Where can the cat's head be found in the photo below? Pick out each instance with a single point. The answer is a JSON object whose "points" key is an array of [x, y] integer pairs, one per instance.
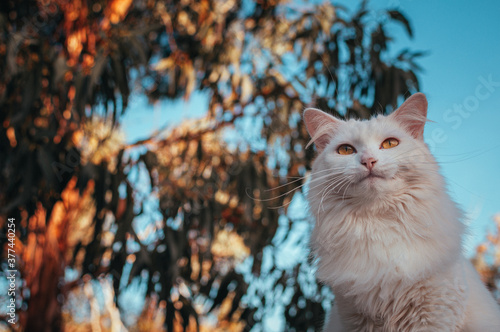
{"points": [[385, 154]]}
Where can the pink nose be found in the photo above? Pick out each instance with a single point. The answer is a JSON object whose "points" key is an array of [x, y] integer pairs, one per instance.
{"points": [[368, 162]]}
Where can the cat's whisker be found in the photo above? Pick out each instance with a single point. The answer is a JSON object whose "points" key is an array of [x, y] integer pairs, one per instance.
{"points": [[462, 159], [405, 154], [322, 177], [327, 190], [486, 198], [347, 184], [331, 188], [348, 178], [336, 181], [319, 185], [286, 184], [280, 206], [272, 198], [343, 196], [290, 201], [298, 178], [468, 155]]}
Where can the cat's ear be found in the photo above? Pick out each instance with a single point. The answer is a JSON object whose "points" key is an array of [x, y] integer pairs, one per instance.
{"points": [[413, 115], [320, 126]]}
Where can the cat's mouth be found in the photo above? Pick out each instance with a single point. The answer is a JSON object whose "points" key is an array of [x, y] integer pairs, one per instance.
{"points": [[372, 176]]}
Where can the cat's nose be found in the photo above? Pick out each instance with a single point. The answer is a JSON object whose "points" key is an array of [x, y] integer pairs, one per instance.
{"points": [[368, 162]]}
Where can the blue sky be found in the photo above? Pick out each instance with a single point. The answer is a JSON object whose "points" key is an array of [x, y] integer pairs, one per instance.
{"points": [[461, 79]]}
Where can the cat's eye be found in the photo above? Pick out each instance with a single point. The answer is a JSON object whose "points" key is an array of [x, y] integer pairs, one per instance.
{"points": [[345, 149], [389, 143]]}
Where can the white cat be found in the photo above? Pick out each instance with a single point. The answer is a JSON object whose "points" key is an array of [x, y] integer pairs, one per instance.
{"points": [[387, 235]]}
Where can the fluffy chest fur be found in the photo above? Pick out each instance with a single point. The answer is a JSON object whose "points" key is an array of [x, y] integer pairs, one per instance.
{"points": [[386, 277], [431, 304], [393, 266]]}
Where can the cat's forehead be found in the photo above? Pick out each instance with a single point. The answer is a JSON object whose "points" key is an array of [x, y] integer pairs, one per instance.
{"points": [[374, 128]]}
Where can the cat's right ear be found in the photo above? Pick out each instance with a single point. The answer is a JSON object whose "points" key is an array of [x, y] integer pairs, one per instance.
{"points": [[320, 126]]}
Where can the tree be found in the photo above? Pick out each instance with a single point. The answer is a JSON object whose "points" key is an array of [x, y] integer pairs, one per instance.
{"points": [[487, 260], [67, 72]]}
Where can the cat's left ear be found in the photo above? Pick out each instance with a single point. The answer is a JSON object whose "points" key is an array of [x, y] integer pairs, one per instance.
{"points": [[320, 126], [413, 115]]}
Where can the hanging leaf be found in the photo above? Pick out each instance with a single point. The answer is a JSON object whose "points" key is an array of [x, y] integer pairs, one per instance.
{"points": [[398, 16]]}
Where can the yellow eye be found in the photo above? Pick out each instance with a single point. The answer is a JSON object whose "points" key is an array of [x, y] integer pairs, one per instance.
{"points": [[389, 143], [345, 149]]}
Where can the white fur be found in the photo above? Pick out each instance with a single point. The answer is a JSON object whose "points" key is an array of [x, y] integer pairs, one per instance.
{"points": [[389, 246]]}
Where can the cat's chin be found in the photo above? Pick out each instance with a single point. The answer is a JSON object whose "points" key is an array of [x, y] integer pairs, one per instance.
{"points": [[373, 181]]}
